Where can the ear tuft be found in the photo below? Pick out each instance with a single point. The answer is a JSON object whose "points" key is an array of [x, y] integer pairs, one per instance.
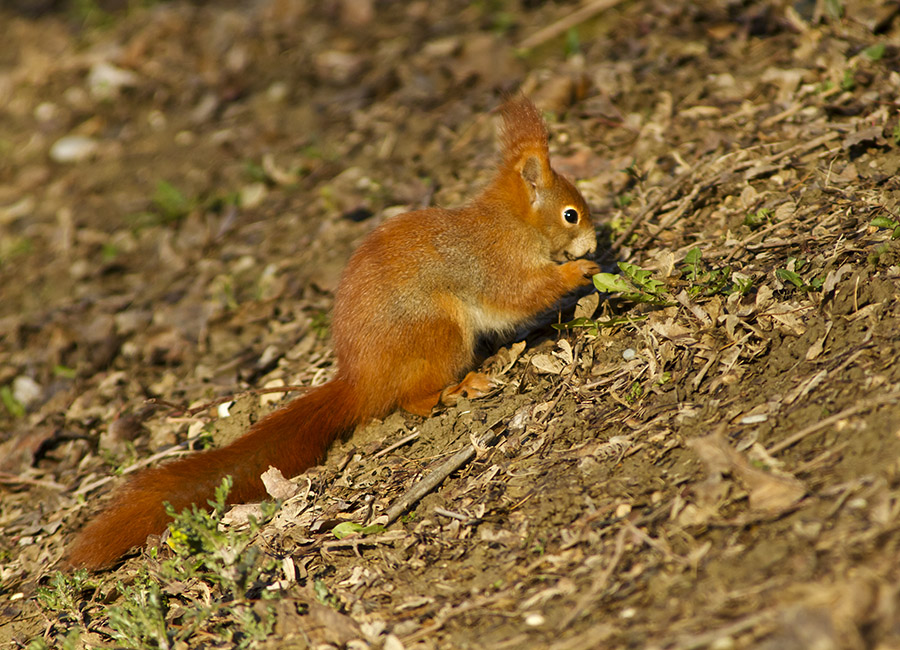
{"points": [[522, 132]]}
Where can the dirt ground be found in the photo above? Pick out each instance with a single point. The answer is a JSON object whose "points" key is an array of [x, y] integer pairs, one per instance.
{"points": [[181, 183]]}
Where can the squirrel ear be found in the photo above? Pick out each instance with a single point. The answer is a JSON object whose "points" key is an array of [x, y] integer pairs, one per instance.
{"points": [[532, 172]]}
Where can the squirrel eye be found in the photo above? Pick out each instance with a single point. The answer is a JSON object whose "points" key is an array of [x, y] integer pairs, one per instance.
{"points": [[570, 215]]}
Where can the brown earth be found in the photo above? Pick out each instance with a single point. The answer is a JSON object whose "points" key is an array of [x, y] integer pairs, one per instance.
{"points": [[718, 471]]}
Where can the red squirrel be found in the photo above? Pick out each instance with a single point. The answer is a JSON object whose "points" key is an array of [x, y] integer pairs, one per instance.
{"points": [[410, 304]]}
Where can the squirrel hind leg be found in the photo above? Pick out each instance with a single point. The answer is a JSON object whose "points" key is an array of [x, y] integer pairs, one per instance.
{"points": [[421, 405], [434, 355]]}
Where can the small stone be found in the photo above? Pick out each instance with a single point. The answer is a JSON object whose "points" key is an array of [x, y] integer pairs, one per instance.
{"points": [[77, 98], [335, 66], [157, 120], [185, 138], [441, 48], [46, 111], [26, 390], [277, 92], [392, 642], [73, 148], [723, 643], [205, 109], [105, 80], [253, 194]]}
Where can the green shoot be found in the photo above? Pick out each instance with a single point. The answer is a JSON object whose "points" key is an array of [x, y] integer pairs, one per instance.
{"points": [[692, 262], [170, 203], [623, 200], [349, 528], [635, 284], [848, 82], [638, 285], [874, 52], [885, 222], [634, 393], [756, 219], [64, 372], [324, 596], [835, 8], [109, 252], [13, 406], [786, 275], [713, 281], [320, 323], [791, 274], [573, 42], [140, 621], [63, 593]]}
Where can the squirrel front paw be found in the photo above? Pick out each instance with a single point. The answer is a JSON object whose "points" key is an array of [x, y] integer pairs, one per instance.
{"points": [[580, 272]]}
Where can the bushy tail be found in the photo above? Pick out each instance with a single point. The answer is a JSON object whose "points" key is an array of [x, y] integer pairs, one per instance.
{"points": [[291, 439]]}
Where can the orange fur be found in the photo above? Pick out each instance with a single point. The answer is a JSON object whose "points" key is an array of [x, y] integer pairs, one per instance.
{"points": [[138, 511], [411, 302]]}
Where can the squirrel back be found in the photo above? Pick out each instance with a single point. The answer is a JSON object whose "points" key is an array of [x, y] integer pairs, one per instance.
{"points": [[410, 304]]}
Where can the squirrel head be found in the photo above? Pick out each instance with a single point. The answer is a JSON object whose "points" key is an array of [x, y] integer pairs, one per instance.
{"points": [[554, 206]]}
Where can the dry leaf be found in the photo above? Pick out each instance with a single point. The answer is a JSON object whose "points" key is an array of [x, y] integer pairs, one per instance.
{"points": [[786, 319], [864, 312], [510, 355], [805, 387], [587, 305], [771, 493], [833, 277], [731, 324], [869, 134], [662, 261], [548, 364], [818, 346], [694, 308], [318, 625], [565, 352], [241, 514], [768, 492], [764, 297], [674, 332], [277, 486]]}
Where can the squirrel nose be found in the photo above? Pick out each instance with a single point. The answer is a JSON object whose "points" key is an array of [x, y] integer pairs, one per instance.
{"points": [[584, 244]]}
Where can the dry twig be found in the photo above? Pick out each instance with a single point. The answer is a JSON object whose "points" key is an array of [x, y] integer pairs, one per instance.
{"points": [[435, 478], [566, 23], [837, 417]]}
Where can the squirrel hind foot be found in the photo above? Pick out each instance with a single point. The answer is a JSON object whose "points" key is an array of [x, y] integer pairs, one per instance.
{"points": [[473, 385]]}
